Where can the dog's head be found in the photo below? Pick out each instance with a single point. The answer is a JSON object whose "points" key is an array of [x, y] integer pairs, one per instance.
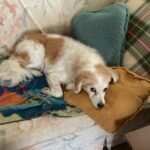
{"points": [[12, 73], [96, 84]]}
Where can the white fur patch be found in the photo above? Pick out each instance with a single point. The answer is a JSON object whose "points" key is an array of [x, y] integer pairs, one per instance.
{"points": [[10, 70], [53, 36], [74, 59], [36, 52]]}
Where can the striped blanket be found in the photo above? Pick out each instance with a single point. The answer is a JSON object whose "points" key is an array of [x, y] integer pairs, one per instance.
{"points": [[137, 55]]}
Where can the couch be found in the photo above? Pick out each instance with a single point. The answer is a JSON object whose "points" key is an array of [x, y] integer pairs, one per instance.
{"points": [[81, 132]]}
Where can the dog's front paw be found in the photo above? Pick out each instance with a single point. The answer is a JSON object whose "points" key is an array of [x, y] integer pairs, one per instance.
{"points": [[46, 91], [52, 92], [57, 93]]}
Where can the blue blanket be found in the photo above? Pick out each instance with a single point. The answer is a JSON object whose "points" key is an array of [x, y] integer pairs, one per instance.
{"points": [[33, 102]]}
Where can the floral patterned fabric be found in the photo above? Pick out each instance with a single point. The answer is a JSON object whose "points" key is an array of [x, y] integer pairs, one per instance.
{"points": [[53, 133], [18, 16], [14, 20]]}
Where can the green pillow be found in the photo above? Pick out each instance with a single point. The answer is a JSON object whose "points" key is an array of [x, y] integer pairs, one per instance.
{"points": [[104, 30]]}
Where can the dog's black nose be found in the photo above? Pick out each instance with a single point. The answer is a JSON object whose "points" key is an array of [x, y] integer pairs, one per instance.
{"points": [[100, 105]]}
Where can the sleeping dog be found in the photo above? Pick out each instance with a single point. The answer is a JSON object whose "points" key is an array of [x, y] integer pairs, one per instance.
{"points": [[63, 61]]}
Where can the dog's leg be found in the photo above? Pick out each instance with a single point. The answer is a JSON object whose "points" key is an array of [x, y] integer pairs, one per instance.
{"points": [[54, 86], [36, 73]]}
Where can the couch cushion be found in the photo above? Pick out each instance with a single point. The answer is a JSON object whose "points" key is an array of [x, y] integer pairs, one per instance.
{"points": [[104, 30], [123, 100]]}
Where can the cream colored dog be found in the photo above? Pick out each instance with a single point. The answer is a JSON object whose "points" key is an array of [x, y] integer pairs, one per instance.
{"points": [[63, 61]]}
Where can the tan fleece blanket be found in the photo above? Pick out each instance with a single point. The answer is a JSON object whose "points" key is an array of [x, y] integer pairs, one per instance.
{"points": [[123, 100]]}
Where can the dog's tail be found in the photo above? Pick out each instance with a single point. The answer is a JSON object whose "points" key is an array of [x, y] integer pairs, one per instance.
{"points": [[4, 52]]}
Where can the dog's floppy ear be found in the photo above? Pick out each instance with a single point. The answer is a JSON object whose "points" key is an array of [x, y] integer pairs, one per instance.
{"points": [[78, 84], [107, 71], [83, 79]]}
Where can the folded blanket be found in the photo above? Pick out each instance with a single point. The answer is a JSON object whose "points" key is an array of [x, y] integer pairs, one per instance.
{"points": [[104, 30], [26, 101], [29, 101]]}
